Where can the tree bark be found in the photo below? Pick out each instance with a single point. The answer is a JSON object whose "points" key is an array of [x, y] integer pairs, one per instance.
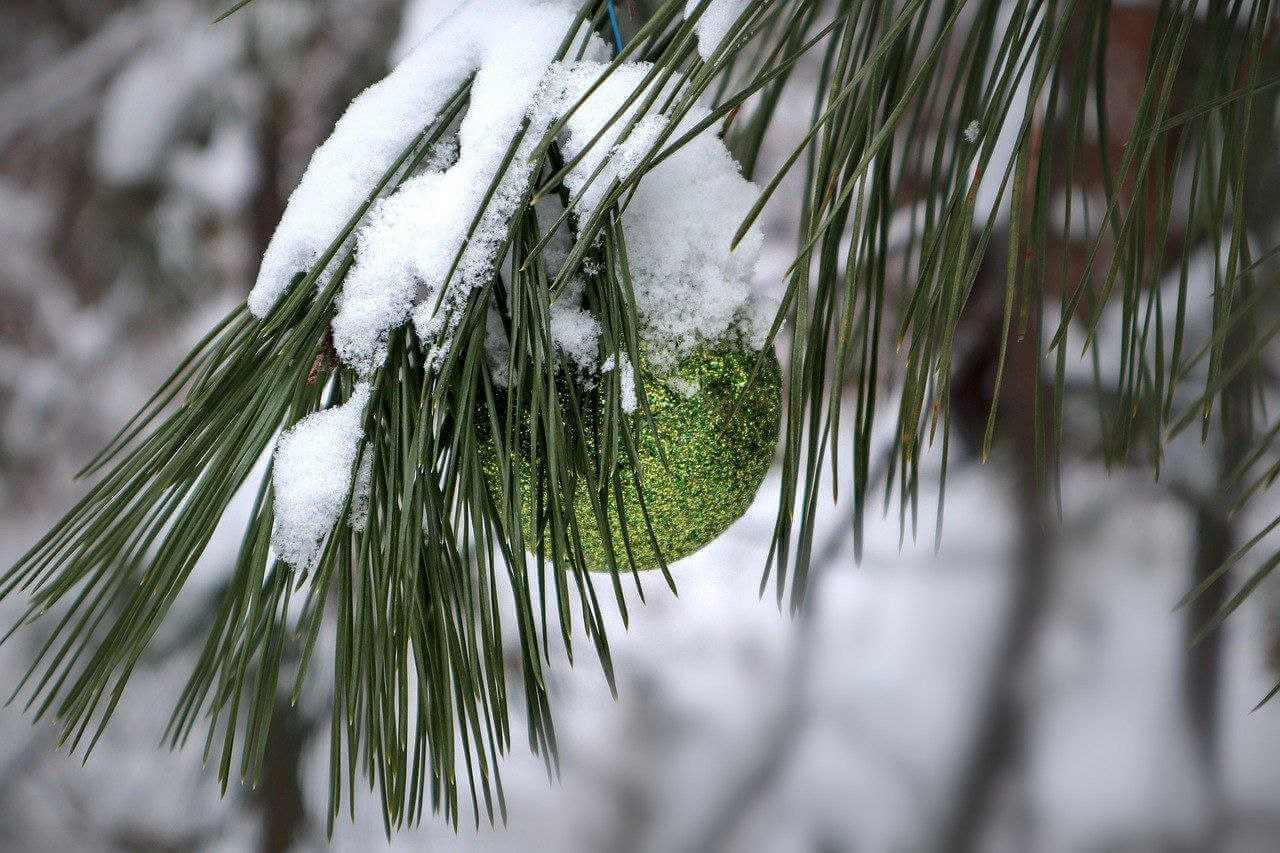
{"points": [[284, 814], [1000, 722], [1202, 667]]}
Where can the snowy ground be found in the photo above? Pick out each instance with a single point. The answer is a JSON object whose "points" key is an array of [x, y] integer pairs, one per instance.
{"points": [[899, 648]]}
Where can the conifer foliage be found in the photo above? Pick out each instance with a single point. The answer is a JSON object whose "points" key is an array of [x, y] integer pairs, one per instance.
{"points": [[550, 203]]}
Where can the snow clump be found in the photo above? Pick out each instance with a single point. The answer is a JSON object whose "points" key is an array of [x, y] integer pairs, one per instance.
{"points": [[311, 478], [422, 249]]}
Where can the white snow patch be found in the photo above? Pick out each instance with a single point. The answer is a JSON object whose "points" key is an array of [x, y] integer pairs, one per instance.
{"points": [[628, 385], [626, 377], [690, 284], [312, 476], [418, 21], [502, 41], [415, 247], [613, 157], [716, 22], [381, 288], [575, 329], [418, 256]]}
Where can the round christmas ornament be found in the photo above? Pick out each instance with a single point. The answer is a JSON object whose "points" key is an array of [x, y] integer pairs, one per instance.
{"points": [[717, 426]]}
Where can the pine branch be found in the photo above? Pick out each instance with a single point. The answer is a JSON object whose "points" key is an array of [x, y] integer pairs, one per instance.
{"points": [[969, 126]]}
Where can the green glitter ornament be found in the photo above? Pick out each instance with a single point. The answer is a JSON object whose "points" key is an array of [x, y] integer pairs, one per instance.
{"points": [[718, 431]]}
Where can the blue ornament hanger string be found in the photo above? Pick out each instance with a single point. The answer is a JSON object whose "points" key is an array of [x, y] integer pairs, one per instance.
{"points": [[613, 25]]}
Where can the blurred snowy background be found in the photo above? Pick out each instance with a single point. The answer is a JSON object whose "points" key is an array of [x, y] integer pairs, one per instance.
{"points": [[1026, 687]]}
